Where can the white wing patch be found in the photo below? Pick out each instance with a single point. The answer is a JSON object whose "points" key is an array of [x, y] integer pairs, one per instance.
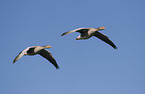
{"points": [[73, 31], [21, 54]]}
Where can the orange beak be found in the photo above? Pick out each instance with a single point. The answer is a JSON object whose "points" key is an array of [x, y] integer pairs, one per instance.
{"points": [[104, 28], [49, 46]]}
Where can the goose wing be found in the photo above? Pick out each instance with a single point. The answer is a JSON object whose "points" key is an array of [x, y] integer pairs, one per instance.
{"points": [[46, 54], [80, 30], [20, 54], [105, 39]]}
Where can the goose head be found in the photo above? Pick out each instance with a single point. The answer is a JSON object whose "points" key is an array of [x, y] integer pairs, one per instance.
{"points": [[101, 28], [47, 46]]}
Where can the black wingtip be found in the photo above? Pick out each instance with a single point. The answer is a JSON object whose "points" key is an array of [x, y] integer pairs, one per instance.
{"points": [[14, 62], [115, 48], [57, 67], [63, 34]]}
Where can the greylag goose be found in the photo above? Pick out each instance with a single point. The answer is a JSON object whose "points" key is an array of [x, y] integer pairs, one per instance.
{"points": [[86, 33], [38, 50]]}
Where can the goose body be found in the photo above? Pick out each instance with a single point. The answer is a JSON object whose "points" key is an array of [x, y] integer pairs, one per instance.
{"points": [[87, 33], [30, 51]]}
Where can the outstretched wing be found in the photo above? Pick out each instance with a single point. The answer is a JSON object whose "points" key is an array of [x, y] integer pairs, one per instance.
{"points": [[20, 54], [46, 54], [105, 39], [81, 30]]}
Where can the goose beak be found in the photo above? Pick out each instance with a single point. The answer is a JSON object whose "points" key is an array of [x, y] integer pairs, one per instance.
{"points": [[104, 28], [49, 46]]}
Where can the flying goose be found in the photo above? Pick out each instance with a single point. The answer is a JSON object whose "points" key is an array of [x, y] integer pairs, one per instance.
{"points": [[38, 50], [86, 33]]}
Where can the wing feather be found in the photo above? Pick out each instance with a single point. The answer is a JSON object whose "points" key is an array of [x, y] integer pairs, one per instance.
{"points": [[46, 54], [105, 39], [76, 30], [20, 54]]}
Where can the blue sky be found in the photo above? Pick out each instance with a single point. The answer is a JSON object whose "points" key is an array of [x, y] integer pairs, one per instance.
{"points": [[86, 66]]}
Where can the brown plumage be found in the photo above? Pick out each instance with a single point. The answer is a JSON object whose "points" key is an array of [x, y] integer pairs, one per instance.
{"points": [[87, 33], [38, 50]]}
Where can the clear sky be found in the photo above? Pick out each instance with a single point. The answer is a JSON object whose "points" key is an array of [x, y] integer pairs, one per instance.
{"points": [[86, 66]]}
